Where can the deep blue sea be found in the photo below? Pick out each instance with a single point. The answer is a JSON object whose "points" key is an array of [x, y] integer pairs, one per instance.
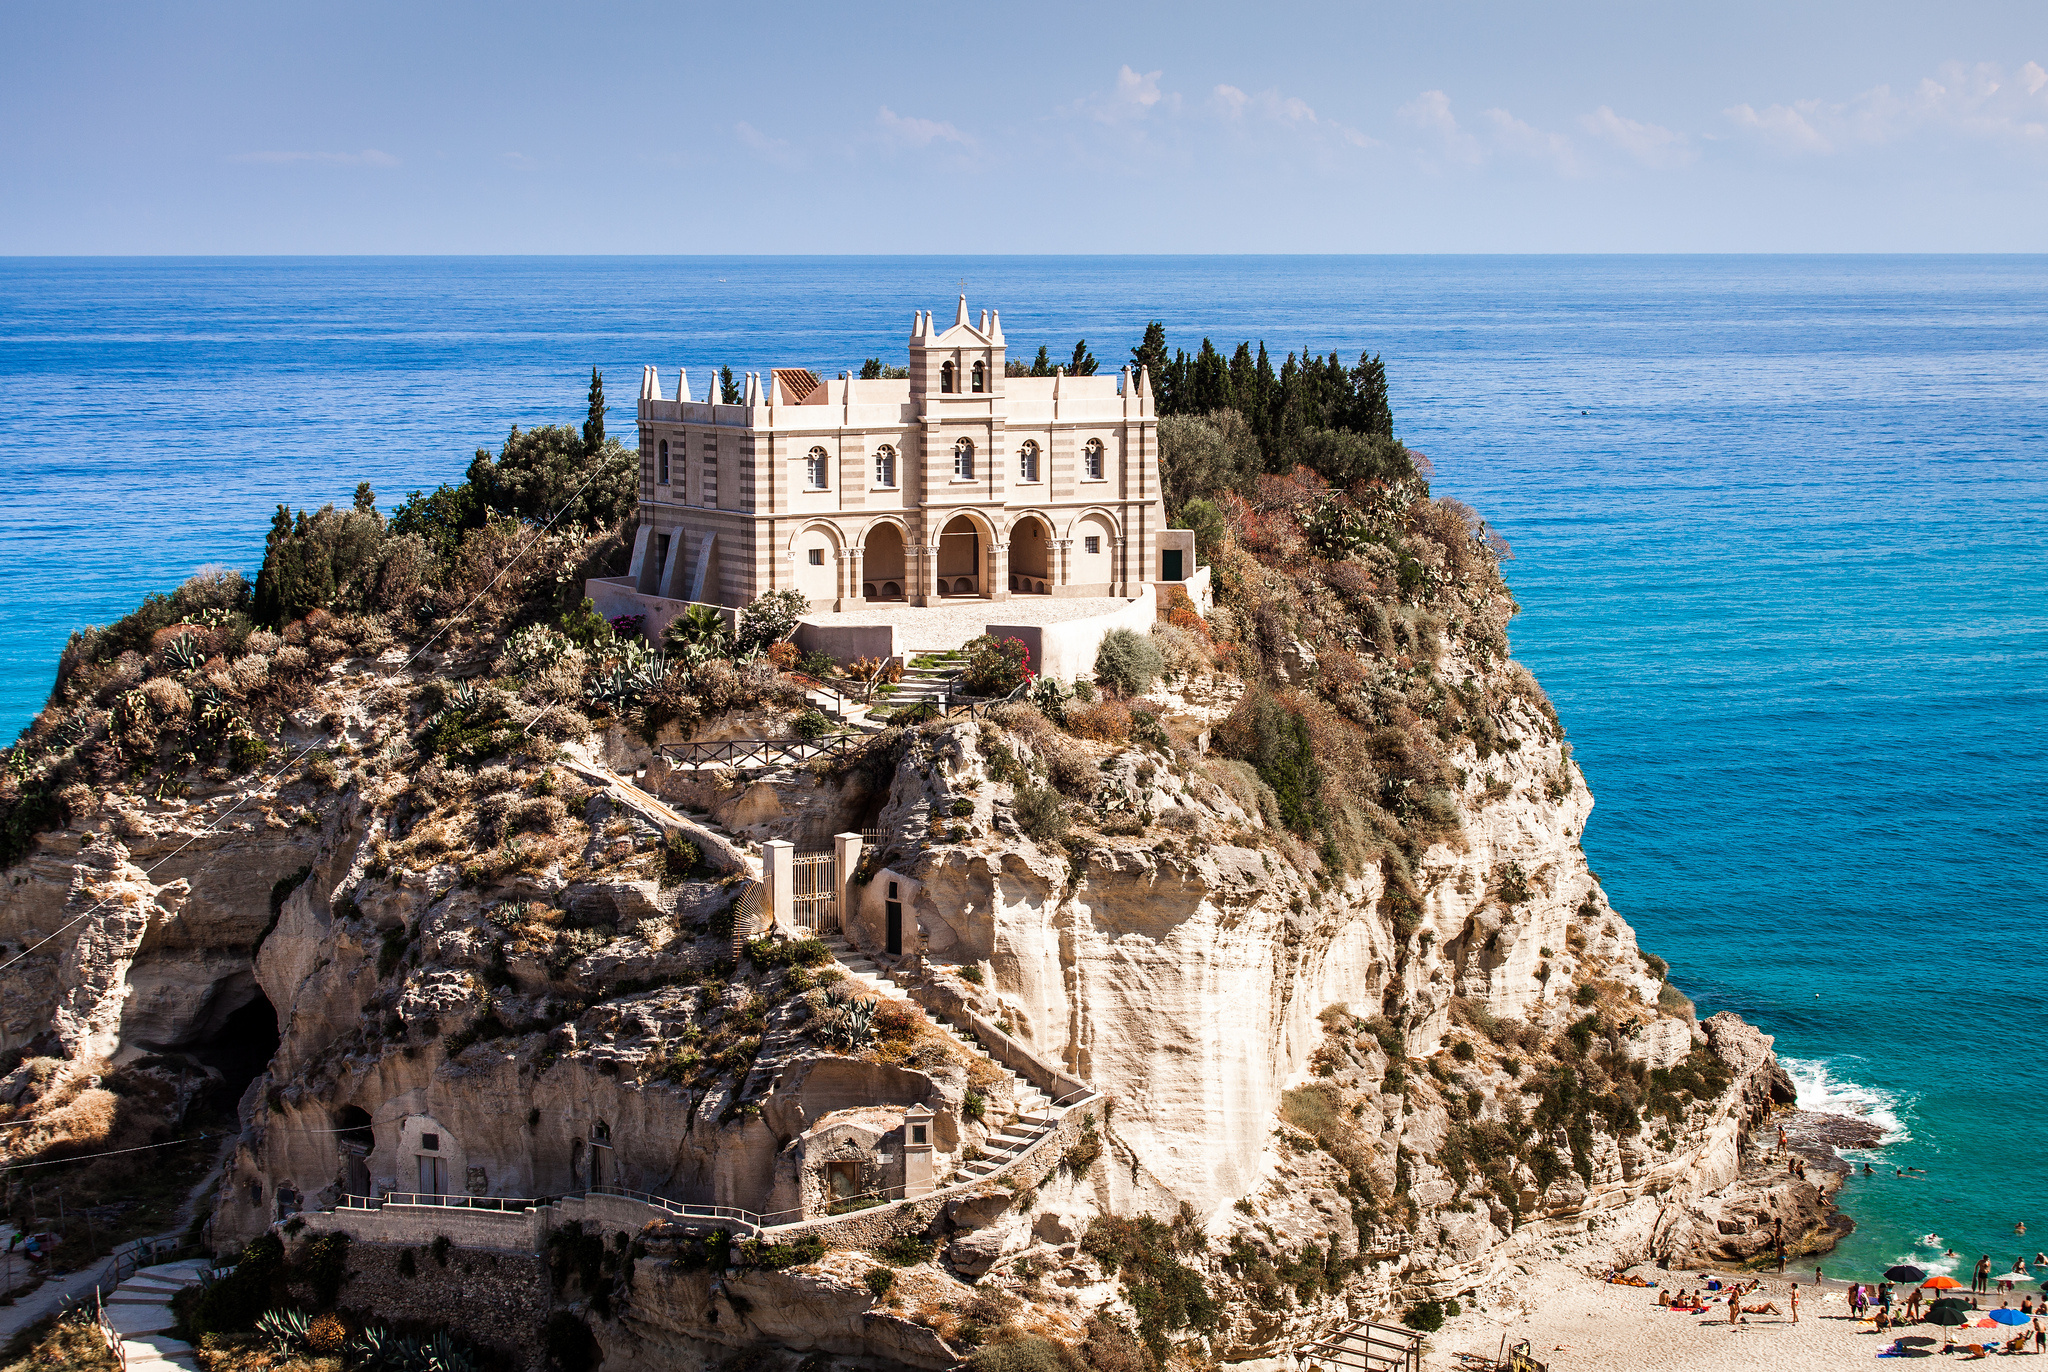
{"points": [[1778, 531]]}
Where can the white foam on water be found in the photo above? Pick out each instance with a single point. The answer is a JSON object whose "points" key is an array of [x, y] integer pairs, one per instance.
{"points": [[1820, 1089]]}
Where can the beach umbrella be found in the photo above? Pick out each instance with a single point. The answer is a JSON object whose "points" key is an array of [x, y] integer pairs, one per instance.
{"points": [[2004, 1316], [1942, 1284], [1904, 1273], [1946, 1314]]}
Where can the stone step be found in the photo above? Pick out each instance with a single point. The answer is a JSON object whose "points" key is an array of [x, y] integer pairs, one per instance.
{"points": [[155, 1346], [144, 1362], [188, 1270], [140, 1319], [161, 1284]]}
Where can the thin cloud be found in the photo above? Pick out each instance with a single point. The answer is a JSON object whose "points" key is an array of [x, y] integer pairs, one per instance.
{"points": [[1650, 144], [1134, 97], [368, 157], [776, 150], [1497, 136], [1977, 103], [1284, 111], [918, 133]]}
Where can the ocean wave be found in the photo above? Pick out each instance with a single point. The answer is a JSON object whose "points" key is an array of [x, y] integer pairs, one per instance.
{"points": [[1820, 1089]]}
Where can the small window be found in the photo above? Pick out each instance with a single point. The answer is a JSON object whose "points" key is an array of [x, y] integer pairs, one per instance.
{"points": [[963, 461], [1027, 463], [892, 890], [817, 557], [430, 1143], [946, 379], [885, 466], [917, 1133], [816, 468], [1091, 460], [663, 476], [980, 378], [1093, 543]]}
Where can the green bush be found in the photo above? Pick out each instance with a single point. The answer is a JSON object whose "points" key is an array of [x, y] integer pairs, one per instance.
{"points": [[1128, 662], [1028, 1354], [233, 1304], [769, 620], [1428, 1316], [810, 725], [880, 1280], [1276, 742], [680, 859], [904, 1250], [1040, 813], [995, 667]]}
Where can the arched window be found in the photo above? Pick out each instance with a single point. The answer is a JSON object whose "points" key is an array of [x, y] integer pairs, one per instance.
{"points": [[1091, 460], [663, 476], [980, 378], [963, 461], [1027, 462], [817, 467], [885, 466], [946, 378]]}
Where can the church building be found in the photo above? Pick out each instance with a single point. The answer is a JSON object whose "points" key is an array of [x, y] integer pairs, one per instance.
{"points": [[955, 482]]}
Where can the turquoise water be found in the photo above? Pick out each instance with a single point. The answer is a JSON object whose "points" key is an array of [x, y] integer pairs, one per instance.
{"points": [[1777, 521]]}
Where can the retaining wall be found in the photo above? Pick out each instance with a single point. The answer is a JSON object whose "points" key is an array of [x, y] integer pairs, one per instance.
{"points": [[495, 1299], [845, 642], [1066, 650], [503, 1231]]}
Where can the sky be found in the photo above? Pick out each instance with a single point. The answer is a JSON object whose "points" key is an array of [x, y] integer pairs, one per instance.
{"points": [[1454, 126]]}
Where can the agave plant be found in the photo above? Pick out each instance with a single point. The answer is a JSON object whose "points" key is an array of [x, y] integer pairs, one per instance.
{"points": [[855, 1026], [464, 698], [289, 1331], [184, 654]]}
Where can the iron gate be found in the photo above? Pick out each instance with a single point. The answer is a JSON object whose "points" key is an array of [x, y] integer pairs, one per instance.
{"points": [[814, 893]]}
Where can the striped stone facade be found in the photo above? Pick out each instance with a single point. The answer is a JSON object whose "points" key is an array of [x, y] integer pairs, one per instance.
{"points": [[955, 482]]}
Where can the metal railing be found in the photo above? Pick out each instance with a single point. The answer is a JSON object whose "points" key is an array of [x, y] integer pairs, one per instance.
{"points": [[975, 707], [814, 892], [759, 752], [510, 1204], [725, 1213], [1363, 1346]]}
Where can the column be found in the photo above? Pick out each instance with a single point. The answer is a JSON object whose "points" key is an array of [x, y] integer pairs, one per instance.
{"points": [[778, 872], [845, 859], [1062, 551], [1119, 584], [856, 589], [998, 570]]}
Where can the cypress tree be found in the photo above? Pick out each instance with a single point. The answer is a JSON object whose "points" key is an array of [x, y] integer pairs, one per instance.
{"points": [[1265, 399], [1084, 361], [1151, 355], [1368, 411], [1041, 365], [871, 370], [728, 392], [1210, 384], [593, 424], [366, 499]]}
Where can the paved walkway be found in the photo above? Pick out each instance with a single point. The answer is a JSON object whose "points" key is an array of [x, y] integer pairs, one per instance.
{"points": [[55, 1294], [950, 623]]}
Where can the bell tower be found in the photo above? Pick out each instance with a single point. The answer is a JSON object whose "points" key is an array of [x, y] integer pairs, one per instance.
{"points": [[965, 363]]}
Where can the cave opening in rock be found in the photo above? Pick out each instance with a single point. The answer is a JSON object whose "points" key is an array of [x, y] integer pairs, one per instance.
{"points": [[355, 1142], [242, 1047]]}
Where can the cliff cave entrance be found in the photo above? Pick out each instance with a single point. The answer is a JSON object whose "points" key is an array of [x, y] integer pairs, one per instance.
{"points": [[356, 1142], [242, 1047]]}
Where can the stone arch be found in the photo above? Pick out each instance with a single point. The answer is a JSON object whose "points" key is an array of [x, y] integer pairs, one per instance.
{"points": [[814, 551], [1031, 559], [884, 567], [960, 563], [1093, 572], [947, 384]]}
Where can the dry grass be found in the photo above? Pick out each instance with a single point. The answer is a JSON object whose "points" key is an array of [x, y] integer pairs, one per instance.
{"points": [[70, 1344]]}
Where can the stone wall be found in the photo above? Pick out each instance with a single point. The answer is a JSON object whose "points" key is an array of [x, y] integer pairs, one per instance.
{"points": [[503, 1231], [497, 1300]]}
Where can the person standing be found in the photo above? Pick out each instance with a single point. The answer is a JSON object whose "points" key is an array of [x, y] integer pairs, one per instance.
{"points": [[1980, 1280], [1795, 1302], [1913, 1306], [1734, 1303]]}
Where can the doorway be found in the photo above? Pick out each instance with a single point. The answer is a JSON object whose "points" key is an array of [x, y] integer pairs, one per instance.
{"points": [[892, 914]]}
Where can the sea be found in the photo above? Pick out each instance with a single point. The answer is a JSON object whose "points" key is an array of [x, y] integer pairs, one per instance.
{"points": [[1777, 526]]}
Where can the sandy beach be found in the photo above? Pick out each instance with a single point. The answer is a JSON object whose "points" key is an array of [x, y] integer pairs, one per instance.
{"points": [[1577, 1323]]}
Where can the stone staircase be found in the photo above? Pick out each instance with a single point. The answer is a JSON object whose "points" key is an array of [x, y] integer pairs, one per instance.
{"points": [[1034, 1108], [931, 681], [140, 1312]]}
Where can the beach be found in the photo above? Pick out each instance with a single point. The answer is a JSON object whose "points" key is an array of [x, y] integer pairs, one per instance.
{"points": [[1577, 1323]]}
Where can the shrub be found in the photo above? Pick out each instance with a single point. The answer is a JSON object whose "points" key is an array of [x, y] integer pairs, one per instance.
{"points": [[1028, 1354], [1428, 1316], [996, 667], [1041, 814], [1128, 662], [1106, 721], [810, 725], [1165, 1293], [1658, 967], [904, 1250], [770, 619], [971, 972], [233, 1303], [879, 1281], [1276, 742]]}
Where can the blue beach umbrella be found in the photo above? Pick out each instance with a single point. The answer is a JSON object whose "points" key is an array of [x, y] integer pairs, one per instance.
{"points": [[2008, 1316]]}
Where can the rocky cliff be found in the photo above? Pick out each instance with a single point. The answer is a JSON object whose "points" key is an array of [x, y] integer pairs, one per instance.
{"points": [[1298, 893]]}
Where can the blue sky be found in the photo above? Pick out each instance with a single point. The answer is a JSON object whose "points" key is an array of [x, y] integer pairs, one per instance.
{"points": [[1463, 126]]}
